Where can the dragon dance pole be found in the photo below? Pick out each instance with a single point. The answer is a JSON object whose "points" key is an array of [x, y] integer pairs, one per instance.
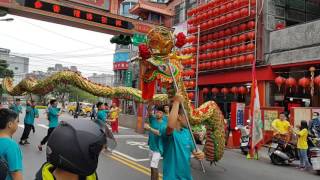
{"points": [[187, 117]]}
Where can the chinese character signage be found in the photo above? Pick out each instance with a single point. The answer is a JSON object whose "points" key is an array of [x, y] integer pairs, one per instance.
{"points": [[128, 80], [240, 114], [76, 13]]}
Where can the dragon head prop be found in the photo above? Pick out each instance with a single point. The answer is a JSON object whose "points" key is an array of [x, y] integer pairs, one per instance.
{"points": [[158, 59]]}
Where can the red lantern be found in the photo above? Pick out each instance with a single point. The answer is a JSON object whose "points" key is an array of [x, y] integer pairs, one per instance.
{"points": [[192, 84], [317, 80], [242, 38], [241, 59], [193, 50], [253, 13], [205, 38], [251, 25], [214, 54], [229, 6], [229, 17], [253, 2], [234, 40], [236, 15], [234, 90], [250, 47], [279, 81], [250, 58], [215, 91], [223, 9], [216, 21], [242, 90], [227, 52], [213, 64], [214, 45], [222, 19], [215, 11], [192, 61], [220, 44], [242, 48], [210, 24], [227, 62], [304, 82], [205, 90], [244, 12], [221, 34], [190, 95], [242, 27], [291, 82], [208, 65], [235, 29], [225, 91], [251, 35], [221, 53], [221, 63], [235, 50], [235, 4], [235, 60], [227, 42], [227, 32]]}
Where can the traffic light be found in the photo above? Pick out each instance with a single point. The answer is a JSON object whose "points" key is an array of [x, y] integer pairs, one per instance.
{"points": [[121, 39]]}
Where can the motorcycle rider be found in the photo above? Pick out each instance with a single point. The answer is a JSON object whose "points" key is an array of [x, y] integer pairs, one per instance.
{"points": [[78, 160], [282, 130], [314, 126]]}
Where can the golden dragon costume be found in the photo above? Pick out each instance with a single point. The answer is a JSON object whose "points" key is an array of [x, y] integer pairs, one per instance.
{"points": [[156, 67]]}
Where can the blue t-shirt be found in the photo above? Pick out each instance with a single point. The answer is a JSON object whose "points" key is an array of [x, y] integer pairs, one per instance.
{"points": [[11, 153], [155, 142], [102, 115], [30, 115], [16, 108], [53, 117], [178, 148]]}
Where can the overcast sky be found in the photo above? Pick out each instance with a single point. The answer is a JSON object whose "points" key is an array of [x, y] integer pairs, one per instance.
{"points": [[47, 44]]}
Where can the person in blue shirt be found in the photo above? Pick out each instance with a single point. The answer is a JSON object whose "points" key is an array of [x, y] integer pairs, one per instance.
{"points": [[178, 145], [28, 122], [155, 141], [166, 112], [53, 114], [16, 107], [314, 125], [10, 151], [102, 115]]}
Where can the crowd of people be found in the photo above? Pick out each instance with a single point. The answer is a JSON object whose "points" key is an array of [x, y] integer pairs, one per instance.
{"points": [[62, 163]]}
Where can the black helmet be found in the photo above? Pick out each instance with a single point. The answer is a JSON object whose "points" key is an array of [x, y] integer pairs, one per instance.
{"points": [[75, 145]]}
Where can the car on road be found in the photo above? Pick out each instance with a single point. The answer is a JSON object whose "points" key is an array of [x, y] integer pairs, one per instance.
{"points": [[85, 110]]}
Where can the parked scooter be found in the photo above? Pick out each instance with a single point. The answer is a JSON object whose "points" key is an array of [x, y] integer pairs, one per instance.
{"points": [[282, 152], [314, 153], [245, 137]]}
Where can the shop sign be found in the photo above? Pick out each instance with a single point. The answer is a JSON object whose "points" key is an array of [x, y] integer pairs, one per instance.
{"points": [[240, 114], [128, 80]]}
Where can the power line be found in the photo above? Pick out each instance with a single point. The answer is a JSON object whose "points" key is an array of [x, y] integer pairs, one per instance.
{"points": [[37, 64], [64, 36]]}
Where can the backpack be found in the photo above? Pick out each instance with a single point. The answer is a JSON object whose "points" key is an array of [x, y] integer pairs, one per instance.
{"points": [[4, 169]]}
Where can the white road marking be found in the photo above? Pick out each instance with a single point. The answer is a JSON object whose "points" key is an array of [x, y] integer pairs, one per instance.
{"points": [[42, 125], [120, 127], [21, 126]]}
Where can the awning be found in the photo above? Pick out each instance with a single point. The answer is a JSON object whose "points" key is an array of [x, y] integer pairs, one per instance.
{"points": [[145, 6], [264, 73]]}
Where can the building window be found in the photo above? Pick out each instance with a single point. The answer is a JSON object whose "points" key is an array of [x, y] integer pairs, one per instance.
{"points": [[16, 68], [293, 12], [179, 14], [155, 18], [125, 8]]}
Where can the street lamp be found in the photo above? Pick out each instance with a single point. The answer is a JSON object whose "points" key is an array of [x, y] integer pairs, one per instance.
{"points": [[7, 19]]}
